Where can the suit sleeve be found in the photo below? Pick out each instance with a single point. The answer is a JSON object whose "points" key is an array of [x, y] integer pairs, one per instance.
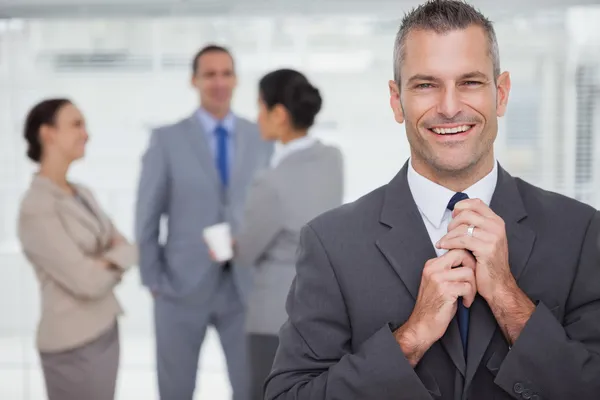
{"points": [[151, 204], [316, 359], [48, 246], [262, 221], [125, 254], [555, 360]]}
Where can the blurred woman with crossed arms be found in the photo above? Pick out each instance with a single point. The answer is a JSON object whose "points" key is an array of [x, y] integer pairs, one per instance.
{"points": [[78, 256]]}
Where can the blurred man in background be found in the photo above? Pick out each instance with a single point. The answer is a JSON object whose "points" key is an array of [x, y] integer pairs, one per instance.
{"points": [[196, 173]]}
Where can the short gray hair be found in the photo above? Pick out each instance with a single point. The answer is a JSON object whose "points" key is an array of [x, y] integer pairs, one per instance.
{"points": [[443, 16]]}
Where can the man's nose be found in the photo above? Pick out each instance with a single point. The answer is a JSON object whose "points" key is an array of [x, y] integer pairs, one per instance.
{"points": [[449, 103], [221, 80]]}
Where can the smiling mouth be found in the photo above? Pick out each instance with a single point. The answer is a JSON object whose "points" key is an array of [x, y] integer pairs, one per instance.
{"points": [[451, 131]]}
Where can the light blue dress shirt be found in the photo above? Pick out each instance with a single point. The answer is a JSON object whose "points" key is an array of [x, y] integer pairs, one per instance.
{"points": [[209, 123]]}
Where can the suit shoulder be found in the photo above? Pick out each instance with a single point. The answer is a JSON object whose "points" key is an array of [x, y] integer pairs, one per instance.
{"points": [[554, 206], [36, 202], [160, 136], [245, 124], [363, 211], [332, 151], [169, 128], [173, 126], [249, 128], [336, 154]]}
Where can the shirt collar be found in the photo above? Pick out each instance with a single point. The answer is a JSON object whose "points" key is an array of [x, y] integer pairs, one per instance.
{"points": [[284, 150], [432, 199], [209, 122]]}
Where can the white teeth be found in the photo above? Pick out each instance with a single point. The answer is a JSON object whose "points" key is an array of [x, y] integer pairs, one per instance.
{"points": [[457, 129]]}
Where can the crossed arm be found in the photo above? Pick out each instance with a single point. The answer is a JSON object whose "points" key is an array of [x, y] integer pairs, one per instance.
{"points": [[51, 248]]}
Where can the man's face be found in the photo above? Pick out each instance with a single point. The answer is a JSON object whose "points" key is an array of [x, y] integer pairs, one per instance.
{"points": [[215, 80], [449, 99]]}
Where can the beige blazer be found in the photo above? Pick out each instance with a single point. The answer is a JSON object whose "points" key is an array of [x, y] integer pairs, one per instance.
{"points": [[65, 242]]}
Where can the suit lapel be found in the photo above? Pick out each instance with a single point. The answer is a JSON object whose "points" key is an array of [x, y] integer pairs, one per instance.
{"points": [[407, 246], [69, 205], [507, 204], [197, 138], [99, 215]]}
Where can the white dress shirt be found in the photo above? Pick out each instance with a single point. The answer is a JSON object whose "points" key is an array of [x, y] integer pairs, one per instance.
{"points": [[284, 150], [432, 200]]}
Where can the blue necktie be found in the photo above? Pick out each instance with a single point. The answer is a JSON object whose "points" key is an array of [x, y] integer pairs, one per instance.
{"points": [[222, 160], [462, 312]]}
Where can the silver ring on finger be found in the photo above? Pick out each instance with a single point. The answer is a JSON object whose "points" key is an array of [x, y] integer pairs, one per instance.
{"points": [[470, 230]]}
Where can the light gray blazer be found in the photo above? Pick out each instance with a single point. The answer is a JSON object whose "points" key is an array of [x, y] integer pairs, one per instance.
{"points": [[305, 184], [179, 180]]}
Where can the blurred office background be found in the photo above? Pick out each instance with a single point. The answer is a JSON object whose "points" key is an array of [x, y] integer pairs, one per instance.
{"points": [[126, 63]]}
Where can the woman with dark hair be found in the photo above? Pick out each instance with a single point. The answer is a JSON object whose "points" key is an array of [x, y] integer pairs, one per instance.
{"points": [[305, 180], [78, 257]]}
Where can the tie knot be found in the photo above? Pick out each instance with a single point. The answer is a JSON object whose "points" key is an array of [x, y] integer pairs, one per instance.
{"points": [[455, 199], [220, 131]]}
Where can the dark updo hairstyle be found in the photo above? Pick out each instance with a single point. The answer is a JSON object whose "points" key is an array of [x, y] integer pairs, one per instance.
{"points": [[293, 91], [43, 113]]}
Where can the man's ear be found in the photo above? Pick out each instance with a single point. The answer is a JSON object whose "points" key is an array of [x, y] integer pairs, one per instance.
{"points": [[503, 90], [395, 102]]}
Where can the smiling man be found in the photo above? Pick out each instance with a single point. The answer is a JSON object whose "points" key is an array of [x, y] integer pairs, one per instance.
{"points": [[455, 280]]}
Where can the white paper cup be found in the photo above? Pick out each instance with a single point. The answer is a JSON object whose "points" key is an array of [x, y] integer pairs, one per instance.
{"points": [[218, 239]]}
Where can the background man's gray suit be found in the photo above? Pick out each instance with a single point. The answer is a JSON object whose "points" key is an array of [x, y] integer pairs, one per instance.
{"points": [[180, 181], [358, 276]]}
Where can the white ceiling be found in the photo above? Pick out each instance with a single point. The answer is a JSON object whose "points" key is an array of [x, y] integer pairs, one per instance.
{"points": [[107, 8]]}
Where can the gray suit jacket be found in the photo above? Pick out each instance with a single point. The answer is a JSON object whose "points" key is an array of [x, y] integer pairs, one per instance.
{"points": [[179, 180], [358, 276], [305, 184]]}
